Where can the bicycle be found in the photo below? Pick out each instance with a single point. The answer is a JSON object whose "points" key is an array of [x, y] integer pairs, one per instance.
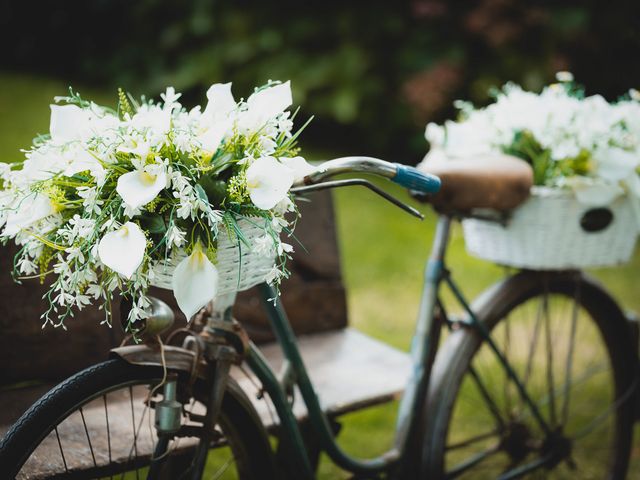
{"points": [[199, 406]]}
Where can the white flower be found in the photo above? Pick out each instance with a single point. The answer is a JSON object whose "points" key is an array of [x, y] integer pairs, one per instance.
{"points": [[69, 123], [123, 250], [435, 135], [265, 105], [170, 98], [268, 182], [221, 102], [273, 276], [41, 164], [284, 248], [91, 201], [564, 76], [263, 245], [26, 266], [285, 124], [80, 160], [299, 166], [139, 187], [138, 146], [29, 210], [175, 236], [266, 145], [95, 290], [594, 192], [283, 206], [194, 282], [213, 134], [153, 120], [615, 164]]}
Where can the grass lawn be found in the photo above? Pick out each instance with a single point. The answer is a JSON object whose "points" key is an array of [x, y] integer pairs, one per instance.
{"points": [[383, 250]]}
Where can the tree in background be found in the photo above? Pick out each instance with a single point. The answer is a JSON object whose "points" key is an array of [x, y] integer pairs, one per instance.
{"points": [[372, 72]]}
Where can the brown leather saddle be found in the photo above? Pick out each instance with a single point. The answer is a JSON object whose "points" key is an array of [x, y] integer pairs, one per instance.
{"points": [[497, 182]]}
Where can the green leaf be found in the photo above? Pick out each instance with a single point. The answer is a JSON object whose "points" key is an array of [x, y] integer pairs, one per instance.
{"points": [[153, 223], [215, 189]]}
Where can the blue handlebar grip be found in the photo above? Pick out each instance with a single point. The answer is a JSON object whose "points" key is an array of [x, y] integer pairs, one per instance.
{"points": [[414, 179]]}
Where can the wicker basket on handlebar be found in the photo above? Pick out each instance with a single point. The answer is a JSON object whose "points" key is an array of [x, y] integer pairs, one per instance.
{"points": [[240, 266]]}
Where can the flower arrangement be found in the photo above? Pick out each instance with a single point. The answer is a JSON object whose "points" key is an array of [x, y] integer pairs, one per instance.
{"points": [[571, 140], [109, 197]]}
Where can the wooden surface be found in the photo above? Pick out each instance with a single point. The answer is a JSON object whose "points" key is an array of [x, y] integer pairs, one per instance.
{"points": [[314, 298], [349, 371]]}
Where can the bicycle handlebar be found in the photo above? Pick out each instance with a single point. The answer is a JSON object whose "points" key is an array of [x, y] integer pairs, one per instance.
{"points": [[408, 177]]}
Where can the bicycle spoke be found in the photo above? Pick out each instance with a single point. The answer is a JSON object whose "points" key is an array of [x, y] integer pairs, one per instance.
{"points": [[106, 416], [470, 441], [64, 460], [86, 431], [135, 434], [507, 345], [560, 392], [549, 358], [532, 349], [569, 363], [223, 469], [472, 462], [590, 427], [525, 469], [490, 403]]}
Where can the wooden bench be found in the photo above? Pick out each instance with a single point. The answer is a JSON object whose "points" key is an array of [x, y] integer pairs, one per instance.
{"points": [[350, 370]]}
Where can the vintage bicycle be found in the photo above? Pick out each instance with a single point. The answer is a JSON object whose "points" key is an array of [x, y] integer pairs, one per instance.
{"points": [[536, 377]]}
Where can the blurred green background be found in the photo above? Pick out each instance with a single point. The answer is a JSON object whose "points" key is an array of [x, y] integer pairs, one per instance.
{"points": [[373, 73]]}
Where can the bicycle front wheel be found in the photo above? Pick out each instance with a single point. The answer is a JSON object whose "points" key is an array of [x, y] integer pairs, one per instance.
{"points": [[570, 348], [99, 424]]}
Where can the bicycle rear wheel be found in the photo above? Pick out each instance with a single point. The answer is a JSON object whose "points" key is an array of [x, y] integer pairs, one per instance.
{"points": [[571, 348], [99, 424]]}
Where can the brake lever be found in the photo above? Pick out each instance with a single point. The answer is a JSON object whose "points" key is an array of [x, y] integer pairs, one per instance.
{"points": [[365, 183]]}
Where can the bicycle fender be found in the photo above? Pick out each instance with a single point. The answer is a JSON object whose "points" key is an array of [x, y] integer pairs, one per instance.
{"points": [[174, 358]]}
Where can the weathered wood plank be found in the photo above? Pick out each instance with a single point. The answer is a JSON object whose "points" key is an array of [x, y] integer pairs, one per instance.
{"points": [[348, 369]]}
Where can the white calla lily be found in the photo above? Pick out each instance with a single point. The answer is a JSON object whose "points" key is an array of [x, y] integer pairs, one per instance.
{"points": [[268, 182], [41, 165], [221, 102], [266, 104], [299, 166], [271, 101], [82, 160], [123, 250], [30, 210], [213, 135], [68, 123], [139, 187], [194, 282]]}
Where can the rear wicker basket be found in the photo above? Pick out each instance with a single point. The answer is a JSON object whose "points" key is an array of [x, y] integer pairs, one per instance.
{"points": [[239, 266], [548, 232]]}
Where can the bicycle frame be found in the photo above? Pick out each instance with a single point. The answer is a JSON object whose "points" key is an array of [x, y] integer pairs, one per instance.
{"points": [[423, 349]]}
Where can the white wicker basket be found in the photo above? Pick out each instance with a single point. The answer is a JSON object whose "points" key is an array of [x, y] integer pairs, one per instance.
{"points": [[239, 266], [545, 233]]}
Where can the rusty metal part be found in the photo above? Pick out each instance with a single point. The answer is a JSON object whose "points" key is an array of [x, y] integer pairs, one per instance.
{"points": [[174, 358]]}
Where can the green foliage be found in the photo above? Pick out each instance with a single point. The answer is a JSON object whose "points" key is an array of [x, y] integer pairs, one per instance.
{"points": [[124, 107], [545, 169], [374, 73]]}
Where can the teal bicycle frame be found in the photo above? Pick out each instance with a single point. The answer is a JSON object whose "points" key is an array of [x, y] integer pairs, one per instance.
{"points": [[431, 316]]}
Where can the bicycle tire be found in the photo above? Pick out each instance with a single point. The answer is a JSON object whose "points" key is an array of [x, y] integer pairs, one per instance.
{"points": [[453, 362], [238, 420]]}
